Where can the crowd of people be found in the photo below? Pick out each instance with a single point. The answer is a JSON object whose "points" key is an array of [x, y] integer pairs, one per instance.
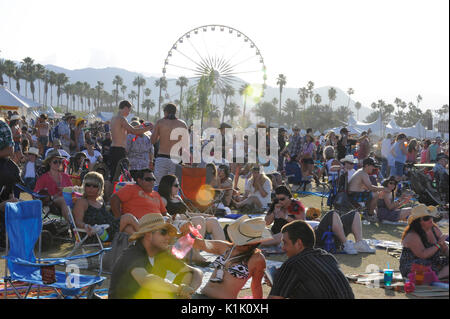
{"points": [[47, 155]]}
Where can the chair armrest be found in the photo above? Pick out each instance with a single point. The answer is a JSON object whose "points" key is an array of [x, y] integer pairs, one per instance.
{"points": [[19, 261]]}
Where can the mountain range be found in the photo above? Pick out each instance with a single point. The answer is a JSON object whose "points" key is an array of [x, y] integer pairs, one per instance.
{"points": [[106, 75]]}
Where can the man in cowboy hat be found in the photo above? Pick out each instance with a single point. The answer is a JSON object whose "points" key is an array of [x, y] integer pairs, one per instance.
{"points": [[147, 270], [309, 272], [29, 171]]}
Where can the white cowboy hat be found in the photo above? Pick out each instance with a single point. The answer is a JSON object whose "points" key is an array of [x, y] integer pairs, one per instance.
{"points": [[33, 150], [245, 231], [349, 158]]}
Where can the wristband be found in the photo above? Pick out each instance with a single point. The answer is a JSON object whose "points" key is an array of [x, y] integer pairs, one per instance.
{"points": [[437, 246]]}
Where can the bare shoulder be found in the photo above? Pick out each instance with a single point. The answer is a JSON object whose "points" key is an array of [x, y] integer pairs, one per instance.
{"points": [[257, 260], [182, 123], [81, 203]]}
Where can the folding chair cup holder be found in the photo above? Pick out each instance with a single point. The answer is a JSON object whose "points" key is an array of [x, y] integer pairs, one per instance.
{"points": [[23, 222]]}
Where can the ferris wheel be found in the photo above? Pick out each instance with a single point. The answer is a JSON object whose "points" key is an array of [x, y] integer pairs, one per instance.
{"points": [[227, 53]]}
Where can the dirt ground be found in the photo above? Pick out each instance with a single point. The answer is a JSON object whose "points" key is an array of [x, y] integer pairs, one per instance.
{"points": [[350, 264]]}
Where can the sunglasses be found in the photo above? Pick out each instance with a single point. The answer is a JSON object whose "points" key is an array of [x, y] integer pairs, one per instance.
{"points": [[57, 162], [92, 185], [175, 185], [163, 231], [282, 198], [393, 183], [426, 218], [149, 179]]}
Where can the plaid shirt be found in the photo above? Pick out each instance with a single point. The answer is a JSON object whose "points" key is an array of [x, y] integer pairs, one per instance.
{"points": [[295, 145], [5, 135]]}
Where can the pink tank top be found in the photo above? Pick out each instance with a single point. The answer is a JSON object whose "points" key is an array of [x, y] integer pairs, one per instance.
{"points": [[423, 156]]}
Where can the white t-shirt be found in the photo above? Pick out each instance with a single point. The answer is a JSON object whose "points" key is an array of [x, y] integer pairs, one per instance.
{"points": [[29, 170], [386, 148], [92, 159], [265, 201]]}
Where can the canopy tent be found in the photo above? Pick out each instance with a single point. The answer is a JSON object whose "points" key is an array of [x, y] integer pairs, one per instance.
{"points": [[107, 116], [317, 133], [11, 102], [375, 127]]}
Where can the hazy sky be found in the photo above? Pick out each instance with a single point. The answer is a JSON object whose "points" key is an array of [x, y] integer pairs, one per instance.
{"points": [[382, 49]]}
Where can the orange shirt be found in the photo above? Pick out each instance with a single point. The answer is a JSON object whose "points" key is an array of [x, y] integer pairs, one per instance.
{"points": [[139, 203]]}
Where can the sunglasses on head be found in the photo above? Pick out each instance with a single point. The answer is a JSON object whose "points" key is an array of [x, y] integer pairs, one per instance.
{"points": [[426, 218], [91, 185], [149, 179]]}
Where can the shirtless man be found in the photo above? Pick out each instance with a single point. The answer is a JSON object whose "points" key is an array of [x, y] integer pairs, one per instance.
{"points": [[120, 128], [163, 128], [360, 187], [43, 129]]}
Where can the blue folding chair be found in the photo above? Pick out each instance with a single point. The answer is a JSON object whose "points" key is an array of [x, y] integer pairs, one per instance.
{"points": [[23, 229]]}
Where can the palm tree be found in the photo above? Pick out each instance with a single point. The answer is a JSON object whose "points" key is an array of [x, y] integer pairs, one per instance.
{"points": [[132, 96], [17, 76], [350, 91], [32, 78], [123, 89], [331, 95], [182, 82], [147, 92], [148, 105], [317, 99], [52, 81], [281, 82], [67, 89], [61, 80], [99, 88], [266, 110], [419, 99], [357, 107], [138, 81], [117, 81], [27, 65], [244, 91], [10, 69], [2, 71], [227, 91], [291, 107], [162, 84], [39, 72], [310, 90], [302, 94]]}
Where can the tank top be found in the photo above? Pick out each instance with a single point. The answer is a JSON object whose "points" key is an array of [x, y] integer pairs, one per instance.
{"points": [[423, 156], [174, 208]]}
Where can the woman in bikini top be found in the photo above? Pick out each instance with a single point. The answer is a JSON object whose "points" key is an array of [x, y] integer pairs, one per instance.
{"points": [[237, 262]]}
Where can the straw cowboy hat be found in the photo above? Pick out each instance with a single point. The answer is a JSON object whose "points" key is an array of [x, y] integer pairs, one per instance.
{"points": [[33, 150], [245, 231], [349, 159], [80, 120], [152, 222], [421, 211]]}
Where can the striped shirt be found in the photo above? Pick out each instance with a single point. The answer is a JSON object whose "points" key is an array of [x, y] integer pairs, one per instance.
{"points": [[311, 274]]}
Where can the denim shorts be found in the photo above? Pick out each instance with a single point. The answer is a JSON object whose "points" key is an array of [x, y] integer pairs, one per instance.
{"points": [[398, 169]]}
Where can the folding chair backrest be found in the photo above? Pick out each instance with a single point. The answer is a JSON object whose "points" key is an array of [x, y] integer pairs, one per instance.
{"points": [[23, 222], [192, 179], [294, 172]]}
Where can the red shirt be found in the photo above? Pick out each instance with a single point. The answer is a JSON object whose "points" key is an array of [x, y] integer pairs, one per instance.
{"points": [[46, 181], [138, 203]]}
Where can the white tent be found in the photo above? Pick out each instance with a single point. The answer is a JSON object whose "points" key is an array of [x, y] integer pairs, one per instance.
{"points": [[11, 102], [376, 127], [107, 116], [317, 133]]}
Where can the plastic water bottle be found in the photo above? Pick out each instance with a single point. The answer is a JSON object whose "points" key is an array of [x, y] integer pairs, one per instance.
{"points": [[101, 231], [185, 243]]}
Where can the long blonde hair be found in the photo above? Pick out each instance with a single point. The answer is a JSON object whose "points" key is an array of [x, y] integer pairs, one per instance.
{"points": [[96, 178]]}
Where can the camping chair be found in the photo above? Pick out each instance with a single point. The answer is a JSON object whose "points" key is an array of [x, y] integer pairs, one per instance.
{"points": [[79, 234], [198, 195], [23, 229], [294, 176]]}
